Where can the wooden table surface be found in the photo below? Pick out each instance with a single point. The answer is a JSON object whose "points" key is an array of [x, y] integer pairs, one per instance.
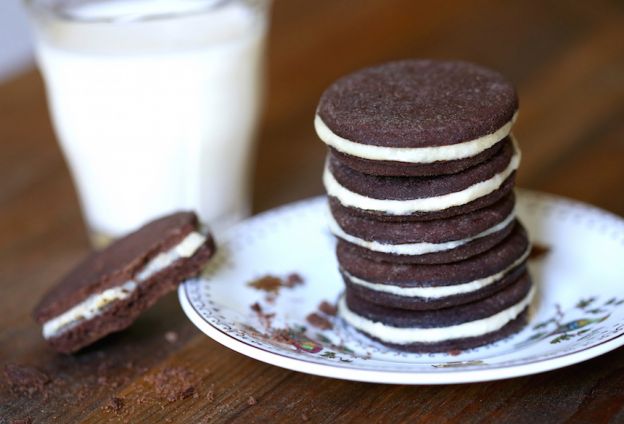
{"points": [[567, 59]]}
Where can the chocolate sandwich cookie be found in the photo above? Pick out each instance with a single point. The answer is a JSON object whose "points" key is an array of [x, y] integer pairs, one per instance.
{"points": [[421, 198], [422, 287], [433, 241], [416, 117], [108, 290], [461, 327]]}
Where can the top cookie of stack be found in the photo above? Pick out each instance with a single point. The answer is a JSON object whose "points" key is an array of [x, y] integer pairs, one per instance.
{"points": [[420, 176], [417, 117]]}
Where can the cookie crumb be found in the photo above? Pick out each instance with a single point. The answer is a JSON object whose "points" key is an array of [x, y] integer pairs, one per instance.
{"points": [[26, 380], [282, 336], [293, 279], [265, 319], [538, 251], [171, 337], [173, 383], [115, 404], [27, 420], [318, 321], [268, 283], [327, 308], [304, 417], [272, 284], [251, 401], [210, 395]]}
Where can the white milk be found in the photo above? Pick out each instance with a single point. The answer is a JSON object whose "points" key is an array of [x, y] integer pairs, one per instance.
{"points": [[155, 115]]}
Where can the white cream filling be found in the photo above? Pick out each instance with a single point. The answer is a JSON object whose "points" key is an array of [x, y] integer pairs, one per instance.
{"points": [[414, 249], [462, 150], [403, 336], [429, 204], [96, 303], [441, 291]]}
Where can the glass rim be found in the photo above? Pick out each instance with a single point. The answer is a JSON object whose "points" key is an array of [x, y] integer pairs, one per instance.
{"points": [[39, 8]]}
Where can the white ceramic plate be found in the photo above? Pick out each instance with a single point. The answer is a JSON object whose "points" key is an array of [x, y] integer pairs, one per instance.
{"points": [[577, 315]]}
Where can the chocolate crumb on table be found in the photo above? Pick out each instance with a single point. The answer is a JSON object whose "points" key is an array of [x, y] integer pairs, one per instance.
{"points": [[26, 380], [318, 321], [173, 383], [115, 404], [171, 337], [210, 395], [27, 420]]}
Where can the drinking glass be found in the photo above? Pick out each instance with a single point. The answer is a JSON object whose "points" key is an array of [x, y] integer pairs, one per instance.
{"points": [[155, 104]]}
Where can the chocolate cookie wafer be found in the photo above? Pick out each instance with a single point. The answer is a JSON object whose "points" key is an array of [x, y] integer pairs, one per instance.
{"points": [[416, 117], [461, 327], [420, 287], [109, 289]]}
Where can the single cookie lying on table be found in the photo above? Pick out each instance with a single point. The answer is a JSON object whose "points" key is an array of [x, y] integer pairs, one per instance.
{"points": [[110, 288]]}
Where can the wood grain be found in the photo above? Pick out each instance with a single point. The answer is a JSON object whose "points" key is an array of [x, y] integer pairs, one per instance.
{"points": [[568, 62]]}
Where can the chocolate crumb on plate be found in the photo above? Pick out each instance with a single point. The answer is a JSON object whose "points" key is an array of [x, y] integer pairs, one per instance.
{"points": [[265, 319], [282, 336], [293, 279], [318, 321], [256, 307], [272, 284], [538, 251], [327, 308], [268, 283]]}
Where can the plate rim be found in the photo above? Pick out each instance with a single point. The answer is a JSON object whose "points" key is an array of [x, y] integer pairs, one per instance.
{"points": [[354, 373]]}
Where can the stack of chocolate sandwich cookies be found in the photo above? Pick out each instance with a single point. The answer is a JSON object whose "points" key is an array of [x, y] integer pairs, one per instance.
{"points": [[420, 176]]}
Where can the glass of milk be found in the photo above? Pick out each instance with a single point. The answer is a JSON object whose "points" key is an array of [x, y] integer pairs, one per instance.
{"points": [[155, 104]]}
